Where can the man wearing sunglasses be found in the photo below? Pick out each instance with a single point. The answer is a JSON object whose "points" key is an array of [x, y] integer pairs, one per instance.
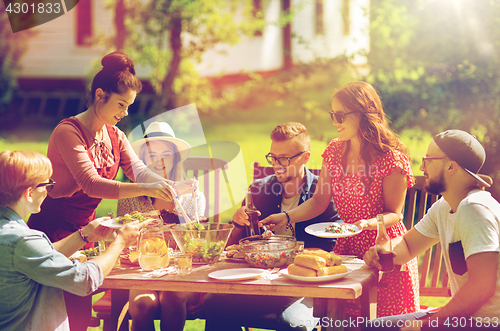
{"points": [[291, 185], [466, 223], [33, 271]]}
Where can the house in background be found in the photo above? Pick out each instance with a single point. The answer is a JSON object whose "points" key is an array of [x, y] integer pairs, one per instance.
{"points": [[58, 59]]}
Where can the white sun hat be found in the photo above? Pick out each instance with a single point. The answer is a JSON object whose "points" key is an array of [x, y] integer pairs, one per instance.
{"points": [[162, 131]]}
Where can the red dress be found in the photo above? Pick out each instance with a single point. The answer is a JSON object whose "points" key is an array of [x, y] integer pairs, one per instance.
{"points": [[402, 294]]}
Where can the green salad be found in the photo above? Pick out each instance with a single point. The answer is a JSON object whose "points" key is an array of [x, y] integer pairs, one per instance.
{"points": [[202, 251], [130, 218], [90, 252]]}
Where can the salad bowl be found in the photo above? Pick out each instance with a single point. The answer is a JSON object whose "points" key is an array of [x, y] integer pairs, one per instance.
{"points": [[268, 252], [205, 242]]}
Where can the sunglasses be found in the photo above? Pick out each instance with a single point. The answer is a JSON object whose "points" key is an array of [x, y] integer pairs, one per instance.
{"points": [[425, 159], [48, 186], [339, 117]]}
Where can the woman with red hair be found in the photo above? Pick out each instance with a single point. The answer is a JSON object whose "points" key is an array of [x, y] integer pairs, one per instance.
{"points": [[367, 171]]}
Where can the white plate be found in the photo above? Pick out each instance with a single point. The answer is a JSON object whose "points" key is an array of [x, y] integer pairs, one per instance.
{"points": [[236, 274], [351, 259], [318, 230], [285, 274], [236, 260], [111, 223]]}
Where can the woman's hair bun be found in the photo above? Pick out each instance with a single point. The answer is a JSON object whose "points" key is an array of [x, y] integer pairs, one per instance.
{"points": [[117, 61]]}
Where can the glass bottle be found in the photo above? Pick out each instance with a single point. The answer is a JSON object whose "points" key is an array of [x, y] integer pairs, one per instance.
{"points": [[253, 216], [153, 252], [386, 258]]}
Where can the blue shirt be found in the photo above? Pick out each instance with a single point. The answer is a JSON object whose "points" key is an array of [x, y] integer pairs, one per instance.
{"points": [[33, 275], [267, 195]]}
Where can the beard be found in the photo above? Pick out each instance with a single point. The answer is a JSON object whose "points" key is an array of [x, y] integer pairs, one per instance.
{"points": [[436, 186], [283, 179]]}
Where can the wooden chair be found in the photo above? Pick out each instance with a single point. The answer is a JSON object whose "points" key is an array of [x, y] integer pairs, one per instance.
{"points": [[195, 167], [434, 280]]}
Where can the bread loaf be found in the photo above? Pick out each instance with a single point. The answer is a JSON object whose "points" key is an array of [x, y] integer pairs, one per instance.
{"points": [[309, 261], [297, 270], [338, 269], [330, 258]]}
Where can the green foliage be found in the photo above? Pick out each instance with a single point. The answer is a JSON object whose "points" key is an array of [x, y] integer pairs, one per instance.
{"points": [[151, 30], [12, 46], [435, 64]]}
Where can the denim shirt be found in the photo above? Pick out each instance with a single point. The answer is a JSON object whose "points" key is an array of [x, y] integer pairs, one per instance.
{"points": [[33, 275], [267, 197]]}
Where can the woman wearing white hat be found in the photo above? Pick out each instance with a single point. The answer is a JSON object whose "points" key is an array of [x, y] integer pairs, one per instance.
{"points": [[163, 154]]}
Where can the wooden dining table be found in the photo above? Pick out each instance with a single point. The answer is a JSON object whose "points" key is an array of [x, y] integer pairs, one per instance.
{"points": [[329, 297]]}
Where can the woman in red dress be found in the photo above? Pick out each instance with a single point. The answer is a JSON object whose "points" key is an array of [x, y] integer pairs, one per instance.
{"points": [[367, 171], [86, 152]]}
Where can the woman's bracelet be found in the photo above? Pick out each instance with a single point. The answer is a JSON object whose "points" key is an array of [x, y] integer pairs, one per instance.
{"points": [[289, 224], [84, 237]]}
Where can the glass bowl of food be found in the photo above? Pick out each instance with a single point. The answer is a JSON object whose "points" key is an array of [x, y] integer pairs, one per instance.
{"points": [[205, 242], [271, 252]]}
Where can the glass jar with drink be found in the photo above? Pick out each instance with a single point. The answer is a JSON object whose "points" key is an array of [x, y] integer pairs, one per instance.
{"points": [[153, 252]]}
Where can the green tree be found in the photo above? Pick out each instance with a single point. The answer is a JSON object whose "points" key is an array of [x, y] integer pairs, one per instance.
{"points": [[436, 66], [170, 36]]}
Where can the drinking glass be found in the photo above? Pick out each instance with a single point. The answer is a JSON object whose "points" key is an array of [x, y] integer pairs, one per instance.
{"points": [[299, 247], [153, 252], [184, 264]]}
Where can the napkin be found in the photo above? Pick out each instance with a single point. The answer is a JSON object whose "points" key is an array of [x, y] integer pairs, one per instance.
{"points": [[161, 272]]}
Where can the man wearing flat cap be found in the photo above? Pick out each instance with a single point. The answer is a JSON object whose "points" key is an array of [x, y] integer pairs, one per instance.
{"points": [[466, 222]]}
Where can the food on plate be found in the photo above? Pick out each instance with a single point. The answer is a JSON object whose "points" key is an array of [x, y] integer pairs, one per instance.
{"points": [[133, 256], [90, 252], [314, 266], [79, 257], [297, 270], [130, 218], [234, 252], [310, 261], [233, 247], [340, 228], [333, 270], [330, 258]]}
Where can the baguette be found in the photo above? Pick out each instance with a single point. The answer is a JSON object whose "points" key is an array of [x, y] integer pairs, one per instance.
{"points": [[309, 261], [297, 270], [233, 247], [330, 258], [338, 269]]}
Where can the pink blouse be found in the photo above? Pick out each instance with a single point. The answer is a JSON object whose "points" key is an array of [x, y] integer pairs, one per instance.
{"points": [[73, 169]]}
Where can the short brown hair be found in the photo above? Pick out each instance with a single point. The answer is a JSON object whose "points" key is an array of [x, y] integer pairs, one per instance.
{"points": [[292, 130], [20, 170]]}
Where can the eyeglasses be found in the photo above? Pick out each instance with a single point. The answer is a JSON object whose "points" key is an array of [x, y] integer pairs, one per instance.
{"points": [[339, 117], [48, 186], [283, 161], [425, 159]]}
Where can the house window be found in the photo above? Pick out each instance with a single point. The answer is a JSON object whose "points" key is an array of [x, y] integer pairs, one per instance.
{"points": [[84, 22], [258, 14], [346, 17]]}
